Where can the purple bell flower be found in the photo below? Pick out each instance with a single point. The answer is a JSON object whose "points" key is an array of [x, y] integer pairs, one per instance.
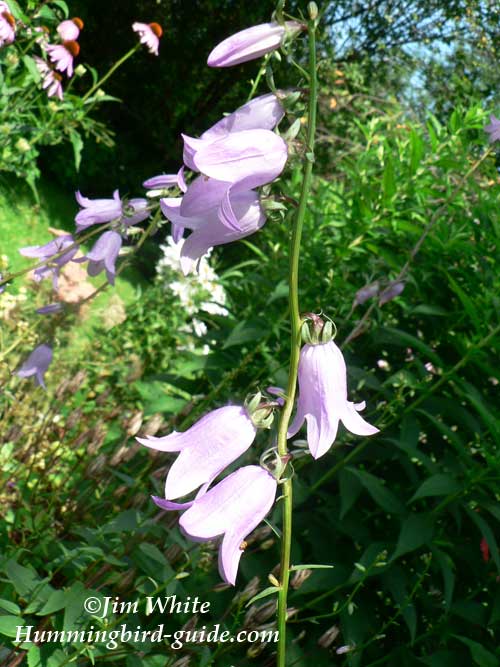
{"points": [[46, 252], [232, 509], [251, 43], [209, 446], [493, 129], [103, 255], [249, 158], [242, 210], [36, 364], [322, 401], [261, 113], [50, 308], [98, 211]]}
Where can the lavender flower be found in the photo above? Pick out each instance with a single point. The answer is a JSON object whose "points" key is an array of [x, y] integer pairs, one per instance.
{"points": [[149, 34], [323, 400], [51, 80], [36, 364], [209, 446], [62, 55], [244, 212], [232, 509], [69, 30], [249, 158], [391, 292], [103, 255], [493, 129], [261, 113], [7, 25], [97, 211], [50, 308], [47, 252], [251, 43]]}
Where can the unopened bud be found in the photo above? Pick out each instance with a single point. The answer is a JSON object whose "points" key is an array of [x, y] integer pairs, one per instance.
{"points": [[299, 577], [80, 70], [312, 8], [328, 637], [22, 145]]}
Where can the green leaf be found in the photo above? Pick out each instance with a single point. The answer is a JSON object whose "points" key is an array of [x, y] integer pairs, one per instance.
{"points": [[479, 654], [487, 533], [77, 143], [436, 485], [416, 530], [10, 607], [350, 489], [57, 600], [310, 566], [380, 493], [246, 331], [8, 625], [271, 590]]}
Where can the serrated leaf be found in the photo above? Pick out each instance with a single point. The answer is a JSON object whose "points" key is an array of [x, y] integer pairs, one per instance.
{"points": [[77, 143], [10, 607]]}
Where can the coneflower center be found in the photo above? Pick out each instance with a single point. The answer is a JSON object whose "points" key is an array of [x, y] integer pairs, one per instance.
{"points": [[78, 22], [157, 29], [10, 19], [73, 47]]}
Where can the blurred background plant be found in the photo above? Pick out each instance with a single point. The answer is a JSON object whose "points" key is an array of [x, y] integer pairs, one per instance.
{"points": [[401, 251]]}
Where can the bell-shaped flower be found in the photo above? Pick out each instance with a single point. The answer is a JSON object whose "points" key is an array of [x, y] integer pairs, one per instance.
{"points": [[251, 43], [209, 446], [232, 509], [50, 252], [7, 25], [249, 158], [97, 211], [322, 401], [69, 30], [51, 80], [149, 34], [243, 211], [261, 113], [37, 364], [493, 129], [62, 55], [103, 255]]}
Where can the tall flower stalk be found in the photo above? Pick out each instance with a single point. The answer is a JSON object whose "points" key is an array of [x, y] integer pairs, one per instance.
{"points": [[295, 342]]}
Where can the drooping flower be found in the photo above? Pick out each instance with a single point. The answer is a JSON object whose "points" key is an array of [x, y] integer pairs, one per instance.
{"points": [[391, 292], [50, 308], [209, 446], [249, 158], [70, 29], [209, 231], [37, 364], [232, 509], [251, 43], [322, 401], [493, 129], [7, 25], [149, 34], [103, 255], [51, 80], [62, 55], [96, 211], [49, 252]]}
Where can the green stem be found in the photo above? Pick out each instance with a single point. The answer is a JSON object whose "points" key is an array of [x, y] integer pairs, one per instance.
{"points": [[112, 69], [295, 322]]}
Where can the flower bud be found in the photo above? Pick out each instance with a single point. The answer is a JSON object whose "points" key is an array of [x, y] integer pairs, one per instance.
{"points": [[312, 9], [299, 577], [328, 637]]}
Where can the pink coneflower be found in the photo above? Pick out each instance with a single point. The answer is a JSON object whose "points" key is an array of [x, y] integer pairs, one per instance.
{"points": [[63, 54], [51, 79], [7, 25], [70, 29], [149, 34]]}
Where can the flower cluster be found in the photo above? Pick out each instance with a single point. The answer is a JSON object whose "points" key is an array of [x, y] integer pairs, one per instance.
{"points": [[234, 157]]}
